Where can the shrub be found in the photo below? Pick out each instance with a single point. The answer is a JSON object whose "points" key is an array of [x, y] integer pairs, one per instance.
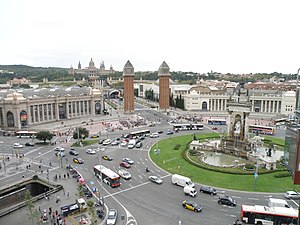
{"points": [[177, 147], [193, 152], [249, 166], [281, 175], [35, 177]]}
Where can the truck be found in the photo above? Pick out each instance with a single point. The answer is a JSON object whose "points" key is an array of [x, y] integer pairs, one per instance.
{"points": [[188, 190], [182, 180], [275, 202], [131, 143], [79, 206]]}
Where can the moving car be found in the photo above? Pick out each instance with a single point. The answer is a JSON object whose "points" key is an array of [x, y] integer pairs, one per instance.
{"points": [[30, 144], [90, 151], [160, 131], [73, 152], [94, 136], [78, 160], [124, 174], [155, 179], [191, 206], [60, 154], [107, 142], [154, 135], [125, 165], [112, 217], [59, 149], [107, 157], [101, 141], [18, 145], [226, 200], [292, 195], [139, 144], [214, 128], [128, 160], [208, 190], [169, 132]]}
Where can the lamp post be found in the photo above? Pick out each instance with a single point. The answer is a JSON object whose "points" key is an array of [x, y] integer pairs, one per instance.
{"points": [[100, 193]]}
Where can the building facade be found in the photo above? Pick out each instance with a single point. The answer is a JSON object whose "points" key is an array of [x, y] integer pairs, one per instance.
{"points": [[22, 108]]}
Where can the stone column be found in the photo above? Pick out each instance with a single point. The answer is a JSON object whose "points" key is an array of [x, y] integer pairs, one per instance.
{"points": [[56, 111], [88, 107], [34, 113], [43, 112], [47, 111], [38, 114], [79, 108], [246, 126], [93, 107], [68, 109], [28, 113]]}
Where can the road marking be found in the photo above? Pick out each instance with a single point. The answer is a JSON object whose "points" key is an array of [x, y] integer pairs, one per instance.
{"points": [[224, 210], [256, 199], [140, 176], [235, 196]]}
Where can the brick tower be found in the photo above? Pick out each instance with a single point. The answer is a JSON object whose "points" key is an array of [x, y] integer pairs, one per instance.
{"points": [[164, 86], [128, 75]]}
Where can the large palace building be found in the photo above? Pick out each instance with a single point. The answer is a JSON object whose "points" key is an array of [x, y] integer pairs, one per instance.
{"points": [[22, 108]]}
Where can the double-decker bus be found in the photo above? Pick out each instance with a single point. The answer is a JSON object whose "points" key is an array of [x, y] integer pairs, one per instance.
{"points": [[107, 175], [263, 215], [188, 126], [26, 134], [258, 129], [139, 133], [216, 121]]}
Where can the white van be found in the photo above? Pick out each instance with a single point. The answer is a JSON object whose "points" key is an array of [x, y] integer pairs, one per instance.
{"points": [[190, 191], [275, 202], [182, 181], [131, 143]]}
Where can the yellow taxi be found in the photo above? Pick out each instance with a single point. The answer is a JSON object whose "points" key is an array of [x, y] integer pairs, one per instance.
{"points": [[191, 206]]}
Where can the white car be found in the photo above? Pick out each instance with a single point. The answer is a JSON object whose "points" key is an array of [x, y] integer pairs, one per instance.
{"points": [[154, 135], [128, 160], [112, 217], [106, 142], [115, 142], [124, 174], [90, 151], [59, 149], [155, 179], [124, 144], [18, 145], [292, 195]]}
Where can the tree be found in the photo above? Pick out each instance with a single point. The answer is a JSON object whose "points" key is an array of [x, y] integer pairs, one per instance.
{"points": [[44, 135], [32, 212], [91, 211], [83, 132]]}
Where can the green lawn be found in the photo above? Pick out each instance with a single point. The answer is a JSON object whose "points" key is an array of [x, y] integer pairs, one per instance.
{"points": [[172, 161]]}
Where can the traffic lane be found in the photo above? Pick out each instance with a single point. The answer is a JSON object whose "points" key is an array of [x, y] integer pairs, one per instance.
{"points": [[162, 204]]}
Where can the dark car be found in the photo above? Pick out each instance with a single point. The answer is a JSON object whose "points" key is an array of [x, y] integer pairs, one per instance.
{"points": [[208, 190], [29, 144], [169, 132], [73, 152], [192, 206], [125, 165], [139, 144], [101, 141], [226, 200], [160, 131]]}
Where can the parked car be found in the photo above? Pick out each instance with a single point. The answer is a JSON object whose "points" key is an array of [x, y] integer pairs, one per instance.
{"points": [[18, 145], [73, 152], [30, 144], [124, 174], [192, 206], [101, 141], [208, 190], [94, 136], [128, 160], [107, 157], [107, 142], [160, 131], [226, 200], [214, 128], [125, 165], [90, 151], [292, 195], [155, 179], [115, 142], [78, 160], [124, 144], [112, 217]]}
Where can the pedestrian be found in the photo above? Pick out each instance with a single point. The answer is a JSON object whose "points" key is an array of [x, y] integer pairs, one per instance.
{"points": [[68, 175], [68, 195], [64, 176], [64, 192], [59, 177], [40, 209]]}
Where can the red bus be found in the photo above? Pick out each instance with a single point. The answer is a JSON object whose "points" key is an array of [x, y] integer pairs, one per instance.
{"points": [[107, 175], [263, 215], [26, 134]]}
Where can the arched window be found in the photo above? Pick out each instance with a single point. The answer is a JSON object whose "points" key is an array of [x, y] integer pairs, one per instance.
{"points": [[204, 105], [10, 119], [98, 108], [23, 118]]}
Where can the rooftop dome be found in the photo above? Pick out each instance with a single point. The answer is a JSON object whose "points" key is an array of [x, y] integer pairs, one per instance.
{"points": [[15, 96]]}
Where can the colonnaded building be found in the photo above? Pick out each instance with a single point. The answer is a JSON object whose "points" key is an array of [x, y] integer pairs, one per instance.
{"points": [[212, 97], [20, 108]]}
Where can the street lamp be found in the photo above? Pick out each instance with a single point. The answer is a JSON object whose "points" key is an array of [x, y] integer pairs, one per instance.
{"points": [[100, 161]]}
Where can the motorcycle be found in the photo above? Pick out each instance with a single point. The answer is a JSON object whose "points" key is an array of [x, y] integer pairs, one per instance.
{"points": [[147, 169]]}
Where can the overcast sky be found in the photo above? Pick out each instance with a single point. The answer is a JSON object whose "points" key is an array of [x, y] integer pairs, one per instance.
{"points": [[227, 36]]}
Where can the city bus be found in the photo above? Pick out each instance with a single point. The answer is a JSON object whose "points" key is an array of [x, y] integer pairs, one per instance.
{"points": [[263, 215], [139, 133], [107, 175], [26, 134], [188, 126], [280, 121], [258, 129], [216, 121]]}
